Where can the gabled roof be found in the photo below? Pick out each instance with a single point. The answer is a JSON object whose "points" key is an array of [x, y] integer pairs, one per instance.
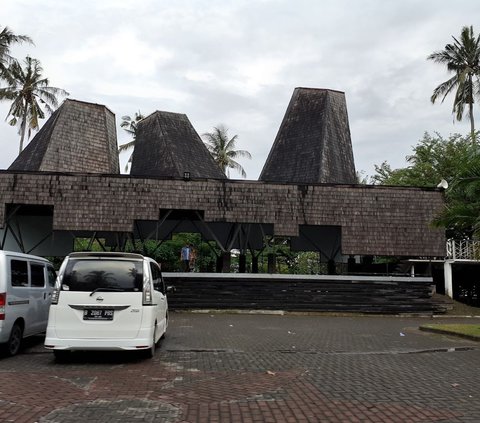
{"points": [[313, 143], [78, 137], [167, 145]]}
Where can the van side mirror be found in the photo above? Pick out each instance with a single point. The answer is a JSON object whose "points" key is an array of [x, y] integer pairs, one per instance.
{"points": [[171, 288]]}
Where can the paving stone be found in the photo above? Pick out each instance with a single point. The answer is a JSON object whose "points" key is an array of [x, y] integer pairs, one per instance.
{"points": [[243, 368]]}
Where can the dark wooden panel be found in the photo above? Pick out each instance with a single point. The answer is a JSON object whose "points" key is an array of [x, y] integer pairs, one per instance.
{"points": [[385, 297]]}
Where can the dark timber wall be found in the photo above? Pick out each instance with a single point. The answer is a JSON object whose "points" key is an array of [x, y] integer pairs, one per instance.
{"points": [[385, 295], [374, 220]]}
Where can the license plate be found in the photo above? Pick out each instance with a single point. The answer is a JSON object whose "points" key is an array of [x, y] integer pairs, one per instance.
{"points": [[97, 314]]}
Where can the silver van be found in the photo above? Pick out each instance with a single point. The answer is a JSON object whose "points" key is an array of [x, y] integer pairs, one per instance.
{"points": [[107, 301], [26, 285]]}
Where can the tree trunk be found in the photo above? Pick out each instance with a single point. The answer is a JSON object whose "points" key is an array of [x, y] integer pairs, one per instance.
{"points": [[24, 126], [22, 134], [472, 124]]}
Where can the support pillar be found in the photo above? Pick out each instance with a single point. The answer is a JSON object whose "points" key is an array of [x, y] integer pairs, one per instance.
{"points": [[226, 261], [242, 263], [351, 264], [448, 275], [271, 263], [254, 263], [331, 270], [219, 264]]}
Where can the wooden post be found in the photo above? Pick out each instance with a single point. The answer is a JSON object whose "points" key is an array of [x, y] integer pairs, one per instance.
{"points": [[254, 263], [351, 264], [242, 263], [219, 264], [331, 270], [226, 261], [271, 263]]}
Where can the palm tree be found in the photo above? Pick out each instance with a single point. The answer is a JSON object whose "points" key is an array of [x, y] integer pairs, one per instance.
{"points": [[463, 59], [29, 91], [223, 149], [7, 38], [130, 126]]}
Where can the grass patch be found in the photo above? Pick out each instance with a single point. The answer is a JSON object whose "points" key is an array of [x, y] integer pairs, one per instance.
{"points": [[466, 331]]}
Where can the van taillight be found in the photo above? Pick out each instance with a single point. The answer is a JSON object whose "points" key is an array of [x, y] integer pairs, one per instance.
{"points": [[147, 296], [55, 295], [3, 301]]}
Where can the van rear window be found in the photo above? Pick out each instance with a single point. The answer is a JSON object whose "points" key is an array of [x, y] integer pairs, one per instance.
{"points": [[19, 272], [88, 275]]}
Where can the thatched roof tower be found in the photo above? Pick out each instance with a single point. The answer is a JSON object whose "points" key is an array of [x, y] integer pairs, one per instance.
{"points": [[167, 145], [78, 137], [313, 143]]}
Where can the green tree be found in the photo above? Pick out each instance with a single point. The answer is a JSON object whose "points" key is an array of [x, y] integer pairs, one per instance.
{"points": [[28, 90], [461, 215], [434, 158], [462, 58], [7, 38], [362, 178], [222, 148], [130, 126], [454, 160]]}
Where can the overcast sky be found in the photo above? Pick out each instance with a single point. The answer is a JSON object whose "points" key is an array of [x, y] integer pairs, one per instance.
{"points": [[237, 62]]}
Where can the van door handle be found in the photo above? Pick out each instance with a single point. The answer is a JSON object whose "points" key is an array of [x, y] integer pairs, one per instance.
{"points": [[44, 295]]}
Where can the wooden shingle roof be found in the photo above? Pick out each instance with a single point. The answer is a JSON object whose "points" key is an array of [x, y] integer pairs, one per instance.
{"points": [[167, 145], [313, 143], [78, 137]]}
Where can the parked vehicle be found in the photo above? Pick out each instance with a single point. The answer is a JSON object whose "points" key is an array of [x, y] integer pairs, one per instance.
{"points": [[107, 301], [26, 285]]}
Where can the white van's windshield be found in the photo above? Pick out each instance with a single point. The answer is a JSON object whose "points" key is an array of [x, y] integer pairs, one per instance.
{"points": [[96, 274]]}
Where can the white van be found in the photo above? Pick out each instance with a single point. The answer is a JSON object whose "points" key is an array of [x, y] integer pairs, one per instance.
{"points": [[26, 285], [107, 301]]}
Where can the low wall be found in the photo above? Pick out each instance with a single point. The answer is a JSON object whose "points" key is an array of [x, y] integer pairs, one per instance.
{"points": [[365, 294]]}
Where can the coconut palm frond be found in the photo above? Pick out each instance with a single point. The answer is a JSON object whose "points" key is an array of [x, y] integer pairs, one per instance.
{"points": [[30, 95], [7, 39], [126, 146], [222, 149], [130, 126], [462, 58]]}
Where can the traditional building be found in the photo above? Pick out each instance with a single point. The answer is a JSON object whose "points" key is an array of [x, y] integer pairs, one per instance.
{"points": [[65, 184]]}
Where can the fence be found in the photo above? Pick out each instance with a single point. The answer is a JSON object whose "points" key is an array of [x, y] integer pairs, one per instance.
{"points": [[463, 249]]}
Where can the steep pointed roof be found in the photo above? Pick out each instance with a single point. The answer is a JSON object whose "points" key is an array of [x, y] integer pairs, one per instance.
{"points": [[167, 145], [78, 137], [313, 143]]}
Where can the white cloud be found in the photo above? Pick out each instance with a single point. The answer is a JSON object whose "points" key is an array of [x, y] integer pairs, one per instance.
{"points": [[123, 50]]}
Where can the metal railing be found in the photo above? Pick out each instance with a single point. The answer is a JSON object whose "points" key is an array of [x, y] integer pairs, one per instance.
{"points": [[463, 249]]}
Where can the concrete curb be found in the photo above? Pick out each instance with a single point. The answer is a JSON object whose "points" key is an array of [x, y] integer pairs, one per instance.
{"points": [[450, 333]]}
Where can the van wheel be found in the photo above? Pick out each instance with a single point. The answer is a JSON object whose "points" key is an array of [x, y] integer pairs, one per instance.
{"points": [[15, 339]]}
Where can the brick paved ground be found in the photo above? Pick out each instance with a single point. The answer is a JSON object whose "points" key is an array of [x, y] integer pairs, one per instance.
{"points": [[256, 368]]}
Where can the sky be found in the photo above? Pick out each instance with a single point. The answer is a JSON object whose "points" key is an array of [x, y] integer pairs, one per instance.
{"points": [[237, 62]]}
